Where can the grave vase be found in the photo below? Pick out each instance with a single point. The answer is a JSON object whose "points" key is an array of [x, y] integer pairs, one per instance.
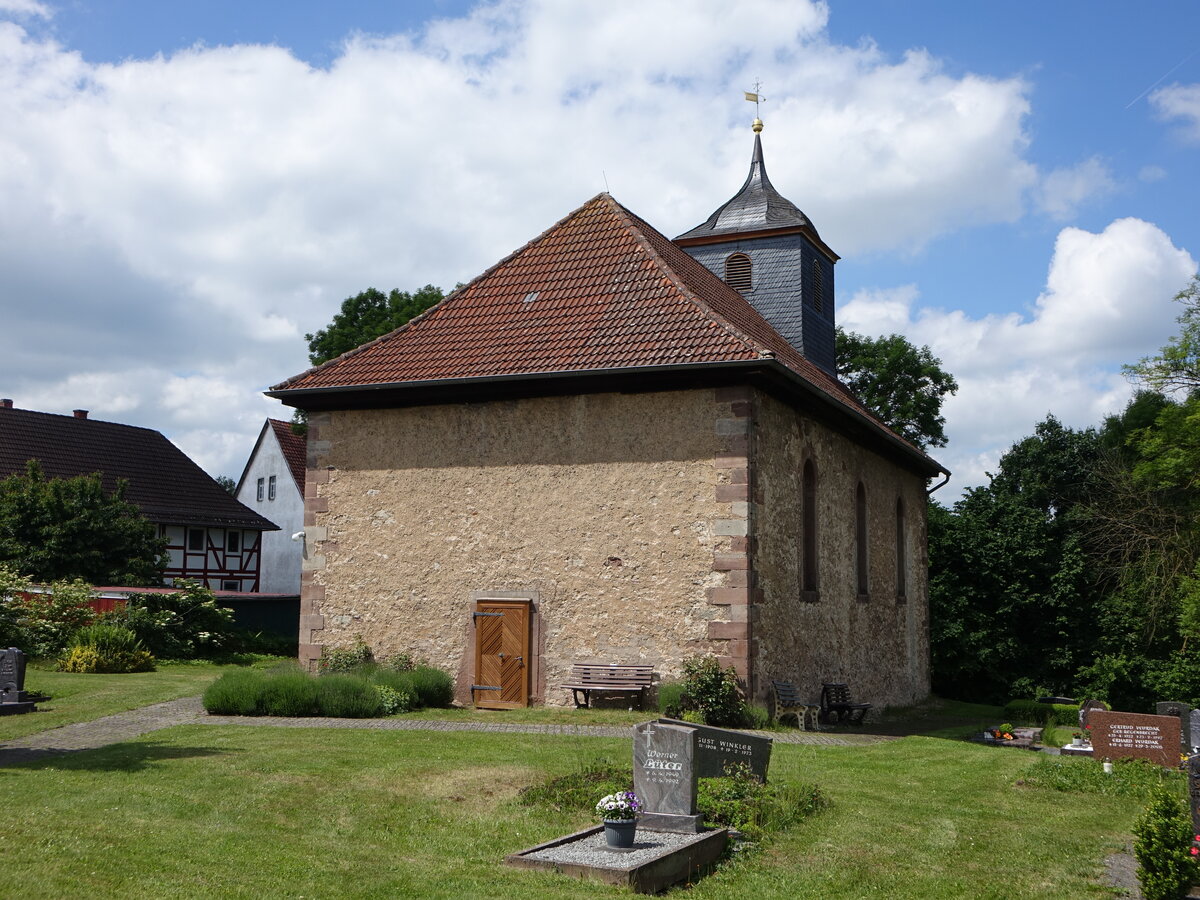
{"points": [[620, 832]]}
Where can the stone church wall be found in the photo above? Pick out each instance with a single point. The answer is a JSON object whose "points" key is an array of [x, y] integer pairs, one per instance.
{"points": [[604, 506], [879, 645]]}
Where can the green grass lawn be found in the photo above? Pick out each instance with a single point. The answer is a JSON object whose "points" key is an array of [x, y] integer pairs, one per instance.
{"points": [[204, 811], [80, 698]]}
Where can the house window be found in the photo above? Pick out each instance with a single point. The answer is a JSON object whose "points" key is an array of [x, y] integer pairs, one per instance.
{"points": [[860, 541], [818, 286], [808, 537], [196, 539], [901, 552], [231, 585], [738, 273], [271, 488], [233, 541], [260, 490]]}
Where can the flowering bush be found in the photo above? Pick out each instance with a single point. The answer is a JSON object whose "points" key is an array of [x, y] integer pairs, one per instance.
{"points": [[45, 621], [618, 806], [182, 625]]}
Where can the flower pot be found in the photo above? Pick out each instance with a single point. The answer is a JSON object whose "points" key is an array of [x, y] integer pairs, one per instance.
{"points": [[620, 832]]}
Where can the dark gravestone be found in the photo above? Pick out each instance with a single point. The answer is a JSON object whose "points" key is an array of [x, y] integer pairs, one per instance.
{"points": [[717, 748], [664, 777], [1194, 792], [1183, 711], [13, 698], [1118, 735], [1194, 729]]}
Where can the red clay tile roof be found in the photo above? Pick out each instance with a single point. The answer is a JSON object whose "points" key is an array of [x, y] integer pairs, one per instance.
{"points": [[295, 450], [599, 290], [164, 483]]}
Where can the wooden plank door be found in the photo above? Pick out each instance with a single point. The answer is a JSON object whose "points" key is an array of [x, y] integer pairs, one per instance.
{"points": [[501, 654]]}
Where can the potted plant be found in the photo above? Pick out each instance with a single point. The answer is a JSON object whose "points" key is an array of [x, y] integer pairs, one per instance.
{"points": [[1076, 739], [619, 813]]}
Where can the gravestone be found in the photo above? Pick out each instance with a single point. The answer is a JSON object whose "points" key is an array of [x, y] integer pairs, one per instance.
{"points": [[664, 777], [1194, 730], [1119, 735], [13, 697], [717, 747], [1085, 709], [1184, 712], [1194, 791]]}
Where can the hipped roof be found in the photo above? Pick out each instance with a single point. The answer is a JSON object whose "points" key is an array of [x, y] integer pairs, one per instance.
{"points": [[601, 291]]}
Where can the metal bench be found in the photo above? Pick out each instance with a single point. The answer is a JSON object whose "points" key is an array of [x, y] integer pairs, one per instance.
{"points": [[787, 703], [608, 678], [836, 705]]}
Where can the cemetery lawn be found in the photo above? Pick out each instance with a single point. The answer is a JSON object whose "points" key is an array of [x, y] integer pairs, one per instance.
{"points": [[202, 811], [81, 698]]}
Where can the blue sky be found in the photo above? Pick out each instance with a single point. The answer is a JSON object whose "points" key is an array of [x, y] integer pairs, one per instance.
{"points": [[186, 189]]}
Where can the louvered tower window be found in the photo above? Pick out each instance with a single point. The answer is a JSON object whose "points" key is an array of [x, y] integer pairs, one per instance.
{"points": [[738, 273], [818, 286]]}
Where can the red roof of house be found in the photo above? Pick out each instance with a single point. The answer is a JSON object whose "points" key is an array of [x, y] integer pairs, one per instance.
{"points": [[600, 290], [164, 483], [295, 450]]}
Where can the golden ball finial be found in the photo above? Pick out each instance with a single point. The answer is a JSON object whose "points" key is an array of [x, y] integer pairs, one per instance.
{"points": [[757, 126]]}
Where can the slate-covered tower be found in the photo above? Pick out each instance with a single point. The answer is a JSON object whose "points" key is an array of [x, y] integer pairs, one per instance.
{"points": [[765, 248]]}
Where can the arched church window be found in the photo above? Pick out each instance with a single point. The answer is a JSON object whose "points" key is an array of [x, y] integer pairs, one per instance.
{"points": [[808, 536], [817, 286], [738, 274], [901, 551], [860, 542]]}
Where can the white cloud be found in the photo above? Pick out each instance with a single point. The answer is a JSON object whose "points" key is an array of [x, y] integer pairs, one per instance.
{"points": [[1151, 174], [178, 223], [26, 8], [1107, 301], [1063, 191], [1180, 101]]}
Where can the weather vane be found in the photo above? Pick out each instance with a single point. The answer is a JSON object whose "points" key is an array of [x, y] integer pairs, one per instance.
{"points": [[756, 98]]}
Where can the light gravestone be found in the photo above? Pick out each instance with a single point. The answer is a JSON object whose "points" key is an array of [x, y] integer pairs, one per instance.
{"points": [[1184, 713], [664, 777], [1194, 731], [1119, 735], [717, 748]]}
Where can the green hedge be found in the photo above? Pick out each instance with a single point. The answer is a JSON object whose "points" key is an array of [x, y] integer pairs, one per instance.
{"points": [[1034, 713]]}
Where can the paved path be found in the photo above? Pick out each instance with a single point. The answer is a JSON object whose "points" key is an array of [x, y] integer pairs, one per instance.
{"points": [[189, 711]]}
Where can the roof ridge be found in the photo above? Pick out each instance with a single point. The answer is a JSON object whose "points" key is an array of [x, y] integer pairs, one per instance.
{"points": [[455, 294], [678, 282]]}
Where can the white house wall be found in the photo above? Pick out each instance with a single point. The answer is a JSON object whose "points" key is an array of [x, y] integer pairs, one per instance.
{"points": [[281, 556]]}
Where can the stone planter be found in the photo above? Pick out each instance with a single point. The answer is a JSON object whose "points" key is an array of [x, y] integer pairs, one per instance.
{"points": [[619, 833]]}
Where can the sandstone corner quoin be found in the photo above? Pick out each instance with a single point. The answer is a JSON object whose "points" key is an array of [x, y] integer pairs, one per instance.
{"points": [[611, 446]]}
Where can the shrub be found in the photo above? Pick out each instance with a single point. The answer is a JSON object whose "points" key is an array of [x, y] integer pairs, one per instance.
{"points": [[432, 687], [105, 648], [713, 692], [742, 802], [235, 693], [671, 698], [344, 696], [289, 692], [398, 662], [12, 585], [44, 622], [1163, 847], [182, 625], [392, 701], [336, 660], [1035, 713]]}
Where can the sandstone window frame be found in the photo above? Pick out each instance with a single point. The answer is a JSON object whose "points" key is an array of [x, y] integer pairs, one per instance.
{"points": [[810, 580], [901, 551]]}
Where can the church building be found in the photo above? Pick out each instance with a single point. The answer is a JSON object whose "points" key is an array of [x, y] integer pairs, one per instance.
{"points": [[615, 447]]}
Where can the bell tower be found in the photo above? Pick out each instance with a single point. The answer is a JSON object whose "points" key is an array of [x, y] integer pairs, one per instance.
{"points": [[765, 248]]}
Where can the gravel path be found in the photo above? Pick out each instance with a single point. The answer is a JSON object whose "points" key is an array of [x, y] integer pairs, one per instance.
{"points": [[189, 711]]}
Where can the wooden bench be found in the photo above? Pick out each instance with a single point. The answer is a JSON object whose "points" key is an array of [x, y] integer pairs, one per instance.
{"points": [[836, 705], [787, 703], [608, 678]]}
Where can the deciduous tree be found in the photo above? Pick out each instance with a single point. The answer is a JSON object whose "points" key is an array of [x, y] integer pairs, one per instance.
{"points": [[366, 316]]}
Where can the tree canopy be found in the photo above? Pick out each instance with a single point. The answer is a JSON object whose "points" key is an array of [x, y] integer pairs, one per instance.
{"points": [[366, 316], [1177, 365], [901, 383], [61, 528]]}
